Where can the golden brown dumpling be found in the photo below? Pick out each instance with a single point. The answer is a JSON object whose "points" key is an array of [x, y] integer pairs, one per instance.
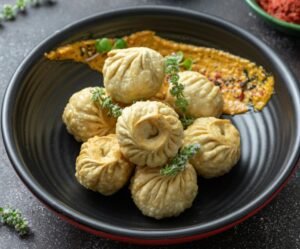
{"points": [[204, 98], [133, 74], [161, 196], [220, 146], [84, 118], [149, 133], [100, 165]]}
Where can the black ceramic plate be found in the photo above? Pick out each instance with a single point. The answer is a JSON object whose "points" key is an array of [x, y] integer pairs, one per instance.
{"points": [[43, 153]]}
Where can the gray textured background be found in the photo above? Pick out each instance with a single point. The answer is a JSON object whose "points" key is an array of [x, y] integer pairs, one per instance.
{"points": [[276, 226]]}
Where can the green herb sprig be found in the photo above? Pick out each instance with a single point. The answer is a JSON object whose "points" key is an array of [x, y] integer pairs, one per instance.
{"points": [[98, 95], [10, 11], [13, 218], [173, 63], [104, 45], [179, 162], [186, 121], [21, 5], [172, 69]]}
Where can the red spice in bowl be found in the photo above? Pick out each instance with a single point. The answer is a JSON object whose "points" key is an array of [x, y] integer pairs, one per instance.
{"points": [[286, 10]]}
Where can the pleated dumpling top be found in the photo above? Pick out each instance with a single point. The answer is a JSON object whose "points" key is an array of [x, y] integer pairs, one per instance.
{"points": [[161, 196], [101, 167], [219, 143], [149, 133], [204, 98], [133, 74], [85, 118]]}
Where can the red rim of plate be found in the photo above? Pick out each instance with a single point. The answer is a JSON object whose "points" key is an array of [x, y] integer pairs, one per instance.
{"points": [[171, 241]]}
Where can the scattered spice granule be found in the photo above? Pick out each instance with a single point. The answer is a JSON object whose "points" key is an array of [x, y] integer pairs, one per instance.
{"points": [[286, 10]]}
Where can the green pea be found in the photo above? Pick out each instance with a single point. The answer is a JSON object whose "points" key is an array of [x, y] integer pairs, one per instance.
{"points": [[187, 64], [120, 43], [103, 45]]}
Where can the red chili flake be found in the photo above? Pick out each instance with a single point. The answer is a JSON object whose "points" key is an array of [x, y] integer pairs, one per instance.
{"points": [[286, 10], [217, 75], [242, 96]]}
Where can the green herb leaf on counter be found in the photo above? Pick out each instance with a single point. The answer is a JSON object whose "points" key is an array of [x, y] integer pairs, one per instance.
{"points": [[21, 5], [179, 162], [99, 95], [13, 218], [10, 11]]}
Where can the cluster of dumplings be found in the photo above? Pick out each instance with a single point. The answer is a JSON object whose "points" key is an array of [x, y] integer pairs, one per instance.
{"points": [[148, 134]]}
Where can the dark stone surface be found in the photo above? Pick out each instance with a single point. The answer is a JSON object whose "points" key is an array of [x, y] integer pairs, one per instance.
{"points": [[276, 226]]}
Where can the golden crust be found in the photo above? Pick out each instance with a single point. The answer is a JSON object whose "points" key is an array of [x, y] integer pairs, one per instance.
{"points": [[101, 167], [84, 118], [149, 133], [160, 196], [220, 146]]}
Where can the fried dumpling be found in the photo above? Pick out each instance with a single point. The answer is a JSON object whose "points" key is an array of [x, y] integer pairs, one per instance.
{"points": [[220, 146], [161, 196], [133, 74], [84, 118], [204, 98], [101, 167], [149, 133]]}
